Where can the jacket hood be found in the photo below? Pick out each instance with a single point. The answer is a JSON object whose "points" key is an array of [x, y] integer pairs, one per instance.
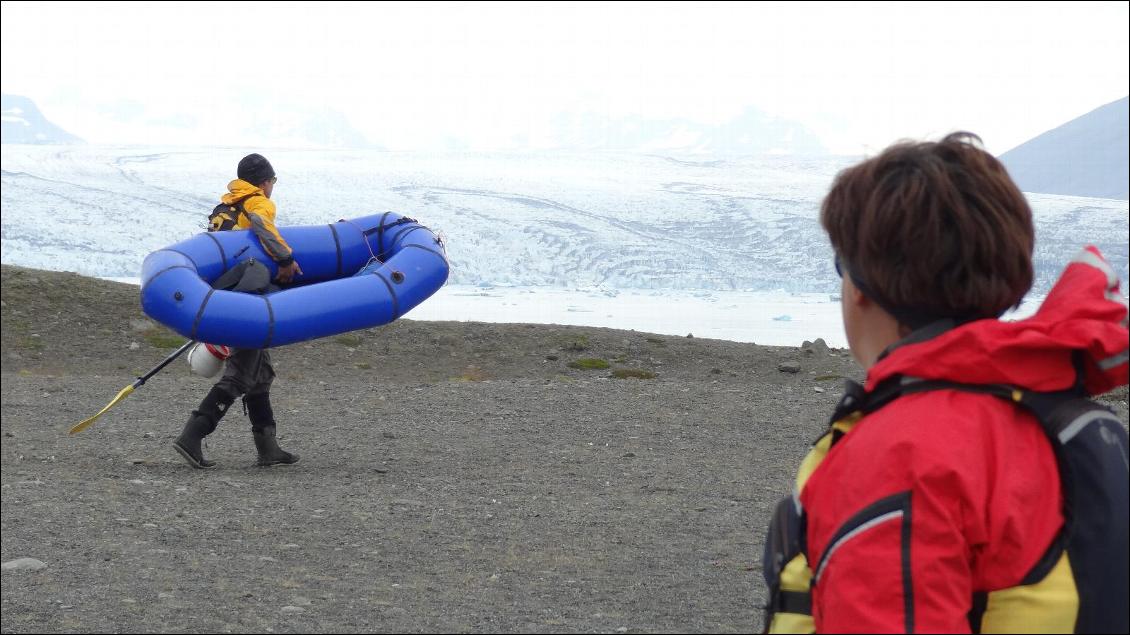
{"points": [[1084, 312], [238, 189]]}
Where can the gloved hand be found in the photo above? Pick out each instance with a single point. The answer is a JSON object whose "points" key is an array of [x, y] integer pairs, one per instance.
{"points": [[287, 273]]}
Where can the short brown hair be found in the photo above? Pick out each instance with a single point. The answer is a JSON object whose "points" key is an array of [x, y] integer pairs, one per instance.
{"points": [[931, 230]]}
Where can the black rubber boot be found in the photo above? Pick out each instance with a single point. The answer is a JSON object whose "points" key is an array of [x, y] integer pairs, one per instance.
{"points": [[263, 430], [202, 423]]}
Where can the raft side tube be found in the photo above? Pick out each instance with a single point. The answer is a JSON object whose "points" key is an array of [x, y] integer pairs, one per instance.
{"points": [[332, 307], [243, 320], [174, 298]]}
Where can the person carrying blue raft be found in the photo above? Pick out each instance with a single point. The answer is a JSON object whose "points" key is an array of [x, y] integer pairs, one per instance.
{"points": [[248, 372]]}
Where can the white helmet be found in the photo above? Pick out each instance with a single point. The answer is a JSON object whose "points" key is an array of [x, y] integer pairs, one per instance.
{"points": [[207, 360]]}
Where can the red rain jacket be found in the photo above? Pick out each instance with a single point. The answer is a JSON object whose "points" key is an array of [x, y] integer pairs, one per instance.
{"points": [[944, 493]]}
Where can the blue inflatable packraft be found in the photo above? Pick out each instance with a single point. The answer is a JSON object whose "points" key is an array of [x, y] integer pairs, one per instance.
{"points": [[357, 274]]}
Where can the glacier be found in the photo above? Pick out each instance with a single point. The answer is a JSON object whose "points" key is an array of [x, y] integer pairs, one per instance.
{"points": [[722, 247], [611, 220]]}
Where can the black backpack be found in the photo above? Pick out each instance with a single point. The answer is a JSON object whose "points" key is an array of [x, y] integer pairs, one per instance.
{"points": [[1091, 449], [225, 217], [248, 276]]}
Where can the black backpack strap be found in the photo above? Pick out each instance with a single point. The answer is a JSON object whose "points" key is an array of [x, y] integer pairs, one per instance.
{"points": [[854, 400], [900, 385], [1047, 407]]}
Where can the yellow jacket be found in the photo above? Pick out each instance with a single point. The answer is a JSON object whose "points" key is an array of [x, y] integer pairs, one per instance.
{"points": [[259, 217]]}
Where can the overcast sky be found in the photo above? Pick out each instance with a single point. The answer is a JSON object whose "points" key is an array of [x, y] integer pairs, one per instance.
{"points": [[411, 75]]}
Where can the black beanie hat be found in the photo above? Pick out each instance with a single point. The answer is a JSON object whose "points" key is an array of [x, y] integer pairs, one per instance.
{"points": [[255, 169]]}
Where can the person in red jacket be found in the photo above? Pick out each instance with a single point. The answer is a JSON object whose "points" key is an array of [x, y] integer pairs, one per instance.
{"points": [[942, 511]]}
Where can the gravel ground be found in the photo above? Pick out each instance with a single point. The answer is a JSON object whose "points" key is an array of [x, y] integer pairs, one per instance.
{"points": [[454, 477]]}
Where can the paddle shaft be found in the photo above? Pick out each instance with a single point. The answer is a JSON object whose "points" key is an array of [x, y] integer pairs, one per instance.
{"points": [[168, 360]]}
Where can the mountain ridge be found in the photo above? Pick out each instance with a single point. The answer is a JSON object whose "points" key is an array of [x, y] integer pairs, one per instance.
{"points": [[1088, 156], [22, 122]]}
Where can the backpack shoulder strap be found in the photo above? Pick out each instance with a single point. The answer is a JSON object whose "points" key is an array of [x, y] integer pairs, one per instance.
{"points": [[900, 385], [1055, 410]]}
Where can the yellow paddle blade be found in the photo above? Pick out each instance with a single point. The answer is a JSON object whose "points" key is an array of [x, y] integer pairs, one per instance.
{"points": [[86, 423]]}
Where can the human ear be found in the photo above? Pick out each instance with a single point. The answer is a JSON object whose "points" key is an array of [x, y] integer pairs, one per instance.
{"points": [[852, 294]]}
